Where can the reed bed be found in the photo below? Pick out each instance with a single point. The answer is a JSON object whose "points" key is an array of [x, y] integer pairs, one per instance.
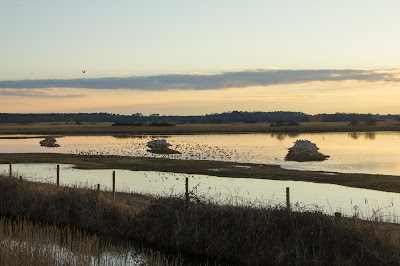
{"points": [[266, 235], [23, 242], [249, 235]]}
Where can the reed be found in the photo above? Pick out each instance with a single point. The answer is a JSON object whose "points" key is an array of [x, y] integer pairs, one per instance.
{"points": [[25, 243], [80, 208], [266, 235]]}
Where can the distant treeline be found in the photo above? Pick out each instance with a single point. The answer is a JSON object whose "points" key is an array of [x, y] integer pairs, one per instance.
{"points": [[140, 124], [235, 116]]}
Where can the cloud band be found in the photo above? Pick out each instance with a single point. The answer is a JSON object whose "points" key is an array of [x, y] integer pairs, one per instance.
{"points": [[238, 79]]}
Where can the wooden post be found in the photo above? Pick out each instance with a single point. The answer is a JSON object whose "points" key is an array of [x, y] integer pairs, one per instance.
{"points": [[338, 215], [58, 175], [187, 192], [113, 183], [287, 199], [10, 169]]}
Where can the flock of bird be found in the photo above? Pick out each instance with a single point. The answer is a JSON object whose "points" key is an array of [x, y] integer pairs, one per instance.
{"points": [[190, 150]]}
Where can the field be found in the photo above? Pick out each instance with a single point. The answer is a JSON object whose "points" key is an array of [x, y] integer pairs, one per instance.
{"points": [[106, 128]]}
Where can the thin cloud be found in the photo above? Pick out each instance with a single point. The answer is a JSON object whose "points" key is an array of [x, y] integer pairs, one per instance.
{"points": [[37, 94], [239, 79]]}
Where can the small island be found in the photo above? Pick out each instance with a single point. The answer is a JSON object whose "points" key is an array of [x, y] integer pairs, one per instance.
{"points": [[49, 142], [160, 146], [305, 151]]}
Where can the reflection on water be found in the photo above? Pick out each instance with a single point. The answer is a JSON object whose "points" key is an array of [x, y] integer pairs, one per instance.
{"points": [[329, 198], [139, 136], [354, 135], [367, 135], [282, 136], [64, 256], [371, 153], [370, 135]]}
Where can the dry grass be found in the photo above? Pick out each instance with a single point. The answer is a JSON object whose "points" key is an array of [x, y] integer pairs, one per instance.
{"points": [[106, 128], [79, 208], [25, 243], [266, 236], [246, 235]]}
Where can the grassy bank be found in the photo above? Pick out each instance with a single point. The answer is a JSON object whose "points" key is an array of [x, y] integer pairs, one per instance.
{"points": [[246, 235], [225, 169], [106, 128]]}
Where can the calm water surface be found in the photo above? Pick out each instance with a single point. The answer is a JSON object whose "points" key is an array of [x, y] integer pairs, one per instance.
{"points": [[329, 198], [372, 152]]}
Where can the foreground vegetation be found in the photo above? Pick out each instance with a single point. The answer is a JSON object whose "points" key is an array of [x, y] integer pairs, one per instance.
{"points": [[23, 242], [225, 169], [246, 235], [61, 128]]}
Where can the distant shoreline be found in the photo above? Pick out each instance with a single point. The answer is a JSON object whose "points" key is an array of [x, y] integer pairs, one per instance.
{"points": [[88, 129]]}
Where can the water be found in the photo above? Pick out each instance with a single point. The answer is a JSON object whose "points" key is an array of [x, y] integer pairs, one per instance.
{"points": [[368, 204], [371, 152], [64, 256]]}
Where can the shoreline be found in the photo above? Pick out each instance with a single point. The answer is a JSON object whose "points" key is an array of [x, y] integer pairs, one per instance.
{"points": [[387, 183], [190, 129]]}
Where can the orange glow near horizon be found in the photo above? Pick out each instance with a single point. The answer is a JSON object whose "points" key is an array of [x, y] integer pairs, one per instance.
{"points": [[312, 98]]}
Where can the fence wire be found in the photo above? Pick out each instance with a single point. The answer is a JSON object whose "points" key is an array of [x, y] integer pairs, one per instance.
{"points": [[216, 189]]}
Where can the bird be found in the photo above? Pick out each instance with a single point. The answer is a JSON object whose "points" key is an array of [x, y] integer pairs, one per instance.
{"points": [[83, 71]]}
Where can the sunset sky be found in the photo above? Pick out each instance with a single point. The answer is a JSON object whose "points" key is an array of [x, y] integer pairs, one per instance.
{"points": [[199, 57]]}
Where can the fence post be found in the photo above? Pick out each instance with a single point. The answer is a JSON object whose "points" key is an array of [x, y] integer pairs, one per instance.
{"points": [[58, 175], [10, 169], [338, 216], [287, 199], [187, 191], [113, 183]]}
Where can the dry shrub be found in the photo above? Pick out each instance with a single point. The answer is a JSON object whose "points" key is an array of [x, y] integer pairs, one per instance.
{"points": [[80, 208], [264, 236]]}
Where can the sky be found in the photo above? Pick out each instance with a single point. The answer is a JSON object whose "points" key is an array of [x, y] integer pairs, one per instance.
{"points": [[199, 57]]}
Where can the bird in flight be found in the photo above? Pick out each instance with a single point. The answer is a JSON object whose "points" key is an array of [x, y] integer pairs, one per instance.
{"points": [[83, 71]]}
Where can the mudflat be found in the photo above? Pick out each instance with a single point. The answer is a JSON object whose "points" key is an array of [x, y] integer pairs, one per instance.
{"points": [[225, 169]]}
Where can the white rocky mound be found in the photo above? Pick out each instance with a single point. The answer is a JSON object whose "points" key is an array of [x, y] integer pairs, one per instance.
{"points": [[304, 150]]}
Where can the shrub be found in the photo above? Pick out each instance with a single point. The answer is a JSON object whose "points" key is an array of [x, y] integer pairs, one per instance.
{"points": [[138, 124], [278, 123], [293, 123], [161, 124], [354, 123], [281, 123], [370, 122], [265, 235]]}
